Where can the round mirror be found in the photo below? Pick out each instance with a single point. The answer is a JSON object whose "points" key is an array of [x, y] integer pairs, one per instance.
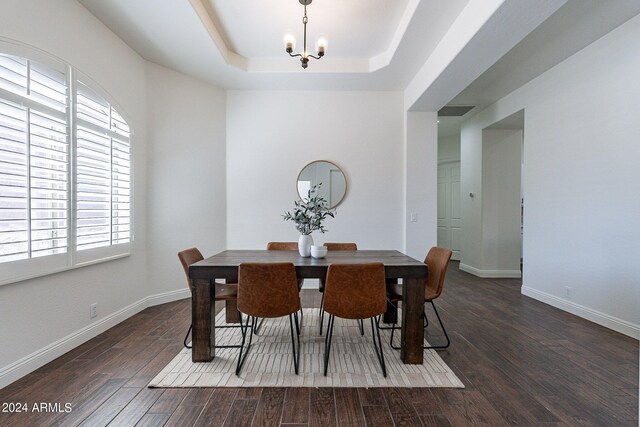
{"points": [[334, 183]]}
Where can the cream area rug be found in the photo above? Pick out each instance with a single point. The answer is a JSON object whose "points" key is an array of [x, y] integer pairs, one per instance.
{"points": [[353, 362]]}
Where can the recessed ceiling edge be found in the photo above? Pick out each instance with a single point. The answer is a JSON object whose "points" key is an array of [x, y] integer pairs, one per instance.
{"points": [[336, 65]]}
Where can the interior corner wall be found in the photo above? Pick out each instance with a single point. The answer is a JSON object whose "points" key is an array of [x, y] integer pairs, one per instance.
{"points": [[580, 181], [272, 135], [45, 317], [186, 196], [421, 216]]}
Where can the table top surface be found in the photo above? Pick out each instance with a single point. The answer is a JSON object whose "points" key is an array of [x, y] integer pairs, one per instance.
{"points": [[396, 263]]}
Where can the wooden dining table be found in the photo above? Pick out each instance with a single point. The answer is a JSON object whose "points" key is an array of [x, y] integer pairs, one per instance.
{"points": [[224, 265]]}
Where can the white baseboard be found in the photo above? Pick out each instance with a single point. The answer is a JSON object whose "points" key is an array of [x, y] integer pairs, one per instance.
{"points": [[491, 274], [166, 297], [33, 361], [603, 319]]}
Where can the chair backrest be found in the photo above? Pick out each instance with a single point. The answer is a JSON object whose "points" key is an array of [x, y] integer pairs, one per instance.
{"points": [[437, 260], [188, 257], [282, 246], [355, 291], [268, 289], [341, 246]]}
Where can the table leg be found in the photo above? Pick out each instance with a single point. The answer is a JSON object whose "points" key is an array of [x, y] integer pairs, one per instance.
{"points": [[203, 321], [232, 315], [412, 328], [391, 315]]}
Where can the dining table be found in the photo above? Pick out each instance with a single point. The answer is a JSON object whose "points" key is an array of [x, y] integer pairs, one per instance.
{"points": [[224, 265]]}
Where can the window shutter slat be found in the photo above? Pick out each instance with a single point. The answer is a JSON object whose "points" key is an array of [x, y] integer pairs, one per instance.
{"points": [[13, 74], [48, 86]]}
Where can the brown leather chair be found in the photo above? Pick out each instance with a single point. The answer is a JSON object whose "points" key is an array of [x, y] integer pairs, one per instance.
{"points": [[285, 246], [437, 260], [282, 246], [335, 247], [223, 292], [355, 291], [268, 290]]}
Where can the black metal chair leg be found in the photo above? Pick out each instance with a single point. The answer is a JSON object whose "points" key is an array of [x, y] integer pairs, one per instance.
{"points": [[256, 329], [385, 328], [298, 326], [248, 328], [321, 312], [393, 330], [426, 322], [187, 336], [361, 324], [378, 346], [327, 343], [436, 347], [296, 354]]}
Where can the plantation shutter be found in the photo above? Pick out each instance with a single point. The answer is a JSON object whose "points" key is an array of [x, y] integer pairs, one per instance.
{"points": [[14, 192], [65, 170], [34, 160], [121, 180], [103, 173]]}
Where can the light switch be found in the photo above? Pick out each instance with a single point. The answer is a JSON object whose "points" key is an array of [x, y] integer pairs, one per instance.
{"points": [[414, 217]]}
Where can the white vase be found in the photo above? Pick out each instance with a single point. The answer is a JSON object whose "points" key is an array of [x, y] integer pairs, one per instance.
{"points": [[304, 245]]}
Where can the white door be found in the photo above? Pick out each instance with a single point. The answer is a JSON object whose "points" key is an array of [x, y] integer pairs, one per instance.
{"points": [[449, 222]]}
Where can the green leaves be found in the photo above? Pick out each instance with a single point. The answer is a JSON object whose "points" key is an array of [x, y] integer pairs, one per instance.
{"points": [[309, 213]]}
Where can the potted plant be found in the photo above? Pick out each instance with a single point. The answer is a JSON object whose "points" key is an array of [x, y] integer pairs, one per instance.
{"points": [[308, 215]]}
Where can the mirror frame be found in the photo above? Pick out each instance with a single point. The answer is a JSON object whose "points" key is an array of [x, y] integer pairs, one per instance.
{"points": [[346, 184]]}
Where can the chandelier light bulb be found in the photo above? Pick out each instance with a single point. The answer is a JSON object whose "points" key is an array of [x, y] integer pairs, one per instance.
{"points": [[321, 46], [289, 42]]}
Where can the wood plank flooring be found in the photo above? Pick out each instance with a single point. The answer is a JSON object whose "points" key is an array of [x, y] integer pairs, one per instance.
{"points": [[522, 362]]}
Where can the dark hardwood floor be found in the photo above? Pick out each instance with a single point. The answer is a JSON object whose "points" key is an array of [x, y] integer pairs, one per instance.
{"points": [[522, 362]]}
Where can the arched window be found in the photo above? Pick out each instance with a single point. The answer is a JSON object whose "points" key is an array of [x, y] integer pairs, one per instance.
{"points": [[65, 171]]}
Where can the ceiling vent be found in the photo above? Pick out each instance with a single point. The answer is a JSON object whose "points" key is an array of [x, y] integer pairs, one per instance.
{"points": [[455, 110]]}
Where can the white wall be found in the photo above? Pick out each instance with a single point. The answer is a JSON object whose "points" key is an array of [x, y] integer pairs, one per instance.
{"points": [[272, 135], [43, 318], [421, 213], [186, 174], [501, 155], [580, 180], [449, 148]]}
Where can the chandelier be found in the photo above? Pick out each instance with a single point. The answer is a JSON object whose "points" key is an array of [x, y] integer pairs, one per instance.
{"points": [[290, 41]]}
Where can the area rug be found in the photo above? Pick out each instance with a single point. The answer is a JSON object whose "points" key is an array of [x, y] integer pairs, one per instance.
{"points": [[353, 361]]}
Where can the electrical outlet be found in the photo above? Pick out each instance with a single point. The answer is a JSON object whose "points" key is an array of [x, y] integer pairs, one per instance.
{"points": [[414, 217], [567, 292], [93, 310]]}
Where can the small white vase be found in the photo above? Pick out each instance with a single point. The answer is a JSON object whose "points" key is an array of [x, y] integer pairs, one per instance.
{"points": [[304, 245]]}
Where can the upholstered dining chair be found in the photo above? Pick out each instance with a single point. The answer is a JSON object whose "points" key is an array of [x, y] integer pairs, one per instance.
{"points": [[355, 291], [268, 290], [285, 246], [223, 291], [437, 261], [335, 247]]}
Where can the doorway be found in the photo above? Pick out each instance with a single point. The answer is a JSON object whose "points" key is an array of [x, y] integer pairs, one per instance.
{"points": [[449, 209], [502, 197]]}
